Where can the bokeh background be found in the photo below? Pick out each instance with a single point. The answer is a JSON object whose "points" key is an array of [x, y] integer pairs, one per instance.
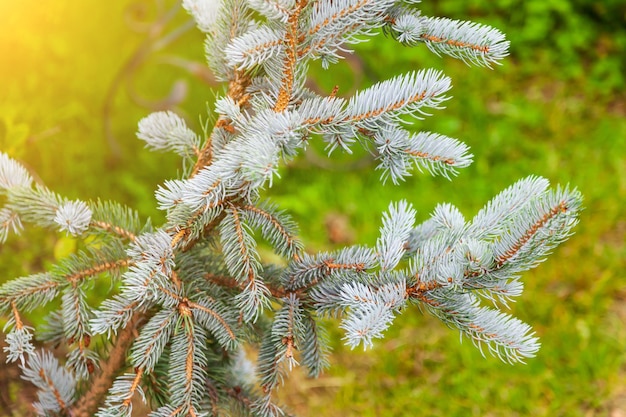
{"points": [[76, 76]]}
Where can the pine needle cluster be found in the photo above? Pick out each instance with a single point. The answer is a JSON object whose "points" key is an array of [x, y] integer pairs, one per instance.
{"points": [[190, 297]]}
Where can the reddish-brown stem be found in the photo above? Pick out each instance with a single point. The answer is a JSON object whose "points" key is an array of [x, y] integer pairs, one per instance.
{"points": [[532, 231], [114, 229], [291, 55], [97, 269], [16, 315], [436, 39]]}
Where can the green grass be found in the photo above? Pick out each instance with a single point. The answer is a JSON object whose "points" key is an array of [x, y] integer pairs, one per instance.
{"points": [[520, 119]]}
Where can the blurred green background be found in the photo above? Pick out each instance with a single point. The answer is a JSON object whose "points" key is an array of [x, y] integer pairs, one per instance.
{"points": [[75, 78]]}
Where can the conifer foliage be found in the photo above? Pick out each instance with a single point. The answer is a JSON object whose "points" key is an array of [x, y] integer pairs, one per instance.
{"points": [[192, 296]]}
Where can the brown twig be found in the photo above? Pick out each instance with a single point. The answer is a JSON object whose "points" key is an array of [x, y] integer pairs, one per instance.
{"points": [[291, 55]]}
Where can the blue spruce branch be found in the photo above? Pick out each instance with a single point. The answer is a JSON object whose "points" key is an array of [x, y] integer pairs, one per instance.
{"points": [[191, 296]]}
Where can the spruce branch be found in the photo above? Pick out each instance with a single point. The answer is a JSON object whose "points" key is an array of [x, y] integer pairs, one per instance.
{"points": [[165, 131], [28, 293], [108, 227], [190, 294], [109, 368], [334, 23], [18, 340], [237, 92], [9, 221], [151, 342], [290, 59], [56, 385], [408, 93], [12, 174], [255, 47], [471, 42], [273, 9]]}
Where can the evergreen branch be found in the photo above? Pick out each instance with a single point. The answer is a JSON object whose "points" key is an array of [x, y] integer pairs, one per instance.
{"points": [[205, 13], [9, 220], [190, 366], [329, 17], [471, 42], [273, 9], [56, 385], [506, 337], [420, 287], [207, 315], [394, 233], [166, 131], [74, 270], [170, 195], [264, 407], [308, 271], [114, 313], [276, 227], [493, 218], [370, 306], [82, 360], [73, 217], [333, 23], [223, 281], [218, 317], [288, 328], [196, 226], [117, 219], [97, 269], [268, 364], [254, 48], [430, 157], [237, 91], [187, 371], [28, 293], [207, 229], [35, 205], [75, 317], [365, 324], [152, 266], [315, 349], [438, 154], [205, 297], [318, 112], [252, 300], [134, 386], [514, 248], [232, 19], [239, 247], [408, 93], [18, 340], [107, 227], [109, 368], [153, 338], [212, 196], [75, 323], [291, 56], [354, 266], [12, 174], [231, 283], [51, 386]]}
